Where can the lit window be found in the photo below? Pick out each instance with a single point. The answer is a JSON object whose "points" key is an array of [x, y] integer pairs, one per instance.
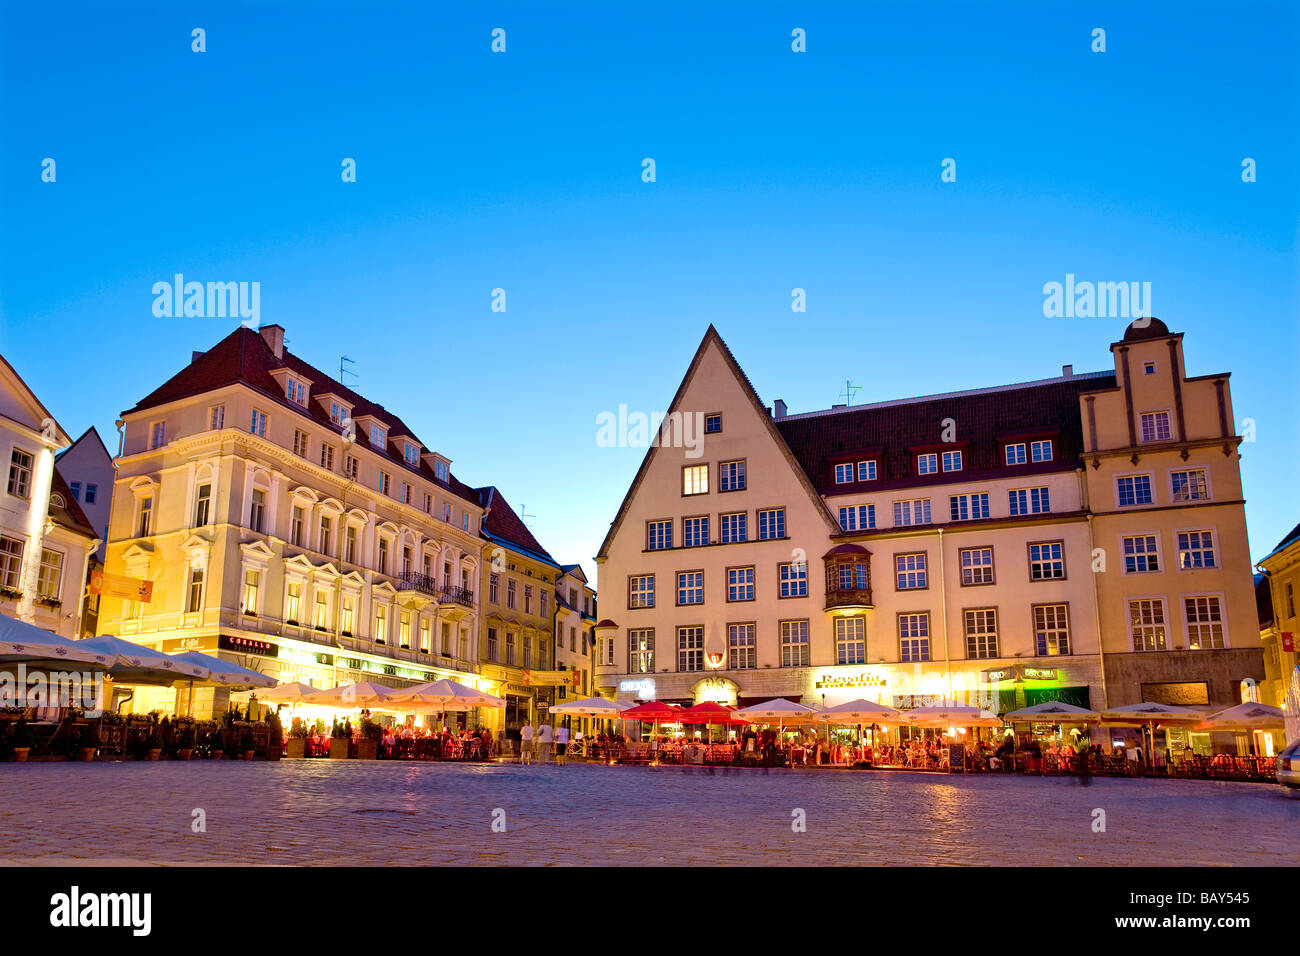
{"points": [[1147, 624], [1196, 550], [695, 480], [1051, 630]]}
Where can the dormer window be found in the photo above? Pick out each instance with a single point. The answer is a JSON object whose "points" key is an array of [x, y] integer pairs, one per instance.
{"points": [[339, 414], [440, 470], [927, 464], [377, 436], [412, 454], [952, 461], [295, 390]]}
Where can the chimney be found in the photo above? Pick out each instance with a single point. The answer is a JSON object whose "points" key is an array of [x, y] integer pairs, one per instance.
{"points": [[780, 408], [274, 335], [196, 355], [1067, 371]]}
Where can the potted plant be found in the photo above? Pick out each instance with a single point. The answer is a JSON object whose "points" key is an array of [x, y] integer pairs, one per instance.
{"points": [[154, 747], [185, 744], [246, 744], [216, 745], [371, 734], [274, 736], [22, 741], [339, 741], [88, 743], [297, 738]]}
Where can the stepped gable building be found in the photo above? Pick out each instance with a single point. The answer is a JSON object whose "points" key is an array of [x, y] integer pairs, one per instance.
{"points": [[1079, 538], [287, 522]]}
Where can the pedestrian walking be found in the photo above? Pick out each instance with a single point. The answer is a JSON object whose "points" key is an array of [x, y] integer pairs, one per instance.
{"points": [[545, 739], [526, 744], [561, 744]]}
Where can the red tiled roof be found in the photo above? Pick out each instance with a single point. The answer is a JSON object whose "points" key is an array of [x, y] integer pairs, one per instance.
{"points": [[70, 515], [981, 420], [502, 522], [244, 357]]}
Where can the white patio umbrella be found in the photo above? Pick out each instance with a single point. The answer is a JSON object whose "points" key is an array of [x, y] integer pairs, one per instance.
{"points": [[1148, 714], [591, 707], [447, 695], [224, 673], [946, 713], [23, 643], [291, 693], [1053, 712], [1246, 717], [779, 712], [352, 696], [860, 712], [143, 665]]}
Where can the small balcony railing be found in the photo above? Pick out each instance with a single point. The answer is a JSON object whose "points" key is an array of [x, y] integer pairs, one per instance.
{"points": [[414, 581], [457, 595]]}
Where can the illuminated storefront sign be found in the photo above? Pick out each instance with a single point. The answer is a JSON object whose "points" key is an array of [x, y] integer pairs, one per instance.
{"points": [[247, 645], [1039, 673], [177, 644], [1017, 672], [833, 681], [643, 688], [718, 690]]}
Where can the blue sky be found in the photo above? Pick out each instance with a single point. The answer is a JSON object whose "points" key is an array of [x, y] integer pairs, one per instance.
{"points": [[775, 170]]}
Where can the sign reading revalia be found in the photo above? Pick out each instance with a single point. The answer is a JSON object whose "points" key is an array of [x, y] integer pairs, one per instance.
{"points": [[851, 680]]}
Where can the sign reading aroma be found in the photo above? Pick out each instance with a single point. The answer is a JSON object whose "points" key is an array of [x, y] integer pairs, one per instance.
{"points": [[865, 679]]}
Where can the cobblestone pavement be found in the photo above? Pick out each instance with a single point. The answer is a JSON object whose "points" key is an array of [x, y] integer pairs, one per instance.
{"points": [[353, 812]]}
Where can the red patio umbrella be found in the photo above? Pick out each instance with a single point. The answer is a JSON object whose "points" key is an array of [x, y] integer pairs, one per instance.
{"points": [[653, 711], [710, 712]]}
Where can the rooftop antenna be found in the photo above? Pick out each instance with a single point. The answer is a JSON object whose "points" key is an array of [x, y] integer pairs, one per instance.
{"points": [[849, 391], [523, 512], [343, 371]]}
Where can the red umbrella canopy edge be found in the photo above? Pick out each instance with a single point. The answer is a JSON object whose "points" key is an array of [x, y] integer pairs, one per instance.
{"points": [[710, 712], [652, 710]]}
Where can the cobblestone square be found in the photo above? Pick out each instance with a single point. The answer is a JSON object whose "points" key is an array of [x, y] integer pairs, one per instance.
{"points": [[320, 812]]}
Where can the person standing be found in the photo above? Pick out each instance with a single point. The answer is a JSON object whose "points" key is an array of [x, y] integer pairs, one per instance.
{"points": [[526, 744], [545, 737], [561, 744]]}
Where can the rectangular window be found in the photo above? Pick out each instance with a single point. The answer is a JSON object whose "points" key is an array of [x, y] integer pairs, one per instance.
{"points": [[511, 588], [1029, 501], [11, 562], [381, 626], [385, 482], [347, 616], [49, 576], [1141, 553], [976, 566], [968, 507], [641, 651], [1041, 450], [952, 461], [145, 527], [528, 599], [321, 619], [425, 632], [794, 579], [91, 491], [1015, 453], [1155, 426], [326, 531], [1047, 561], [794, 644], [257, 511], [406, 493], [981, 633], [690, 587], [350, 544], [216, 417], [740, 584], [1134, 490], [1147, 624], [912, 511], [376, 436], [695, 532], [734, 527], [300, 443], [194, 600], [383, 556], [742, 647], [493, 646], [909, 571], [731, 476], [446, 511], [295, 528], [690, 648], [339, 414], [695, 480], [293, 602], [1204, 623], [1051, 630], [844, 474], [510, 647], [157, 434], [296, 391], [1196, 550], [252, 592], [659, 535], [494, 588], [914, 637], [352, 468], [20, 473], [858, 517], [641, 590], [258, 424], [850, 640], [927, 464], [771, 524], [202, 505], [867, 470], [712, 424], [411, 454], [1189, 485], [327, 456]]}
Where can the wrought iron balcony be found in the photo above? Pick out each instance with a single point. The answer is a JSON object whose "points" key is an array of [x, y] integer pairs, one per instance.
{"points": [[414, 581], [457, 595]]}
